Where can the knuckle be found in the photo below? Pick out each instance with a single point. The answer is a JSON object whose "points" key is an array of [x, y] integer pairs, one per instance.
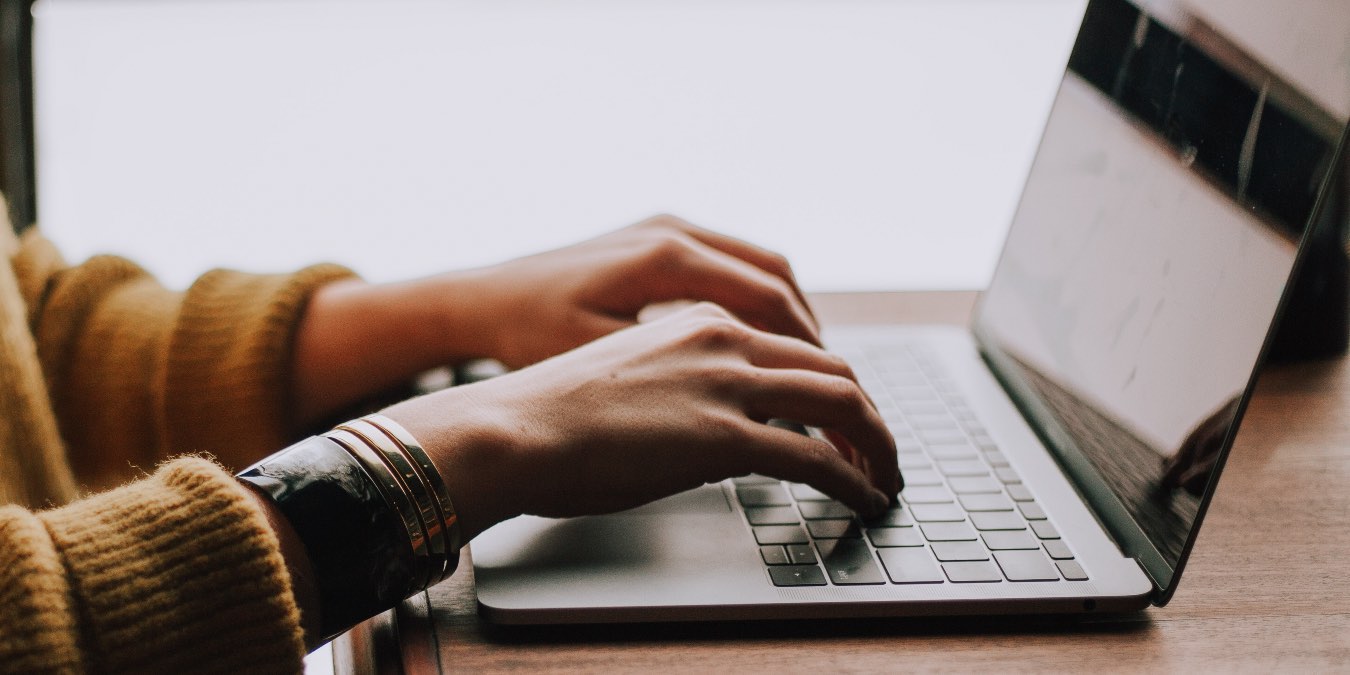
{"points": [[845, 393], [837, 364], [661, 221], [708, 309], [779, 296], [664, 246], [719, 332], [778, 263]]}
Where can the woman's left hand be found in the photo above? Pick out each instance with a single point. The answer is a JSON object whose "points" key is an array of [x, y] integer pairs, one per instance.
{"points": [[546, 304], [358, 339]]}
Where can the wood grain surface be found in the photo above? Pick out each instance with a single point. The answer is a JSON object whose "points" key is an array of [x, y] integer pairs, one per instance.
{"points": [[1267, 588]]}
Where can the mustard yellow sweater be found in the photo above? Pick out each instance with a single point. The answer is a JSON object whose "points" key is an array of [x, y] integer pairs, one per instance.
{"points": [[103, 375]]}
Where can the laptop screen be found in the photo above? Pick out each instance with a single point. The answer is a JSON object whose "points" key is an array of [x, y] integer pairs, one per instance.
{"points": [[1181, 164]]}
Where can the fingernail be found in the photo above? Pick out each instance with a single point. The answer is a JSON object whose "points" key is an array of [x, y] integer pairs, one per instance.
{"points": [[899, 482]]}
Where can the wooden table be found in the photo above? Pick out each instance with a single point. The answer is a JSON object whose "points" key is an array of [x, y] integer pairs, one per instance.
{"points": [[1267, 588]]}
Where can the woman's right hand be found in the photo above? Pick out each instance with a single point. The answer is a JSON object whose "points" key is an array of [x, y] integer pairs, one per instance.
{"points": [[648, 412]]}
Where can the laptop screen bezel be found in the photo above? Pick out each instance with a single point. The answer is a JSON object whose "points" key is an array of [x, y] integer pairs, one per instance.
{"points": [[1084, 475]]}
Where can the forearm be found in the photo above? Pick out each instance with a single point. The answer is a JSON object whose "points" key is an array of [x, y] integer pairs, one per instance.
{"points": [[358, 339]]}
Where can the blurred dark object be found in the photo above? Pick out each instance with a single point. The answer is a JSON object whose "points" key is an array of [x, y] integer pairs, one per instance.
{"points": [[17, 177], [1315, 324]]}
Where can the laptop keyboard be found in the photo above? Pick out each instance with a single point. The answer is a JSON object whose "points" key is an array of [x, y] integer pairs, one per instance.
{"points": [[965, 516]]}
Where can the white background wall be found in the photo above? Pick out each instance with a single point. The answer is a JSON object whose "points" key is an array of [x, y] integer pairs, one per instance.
{"points": [[877, 144]]}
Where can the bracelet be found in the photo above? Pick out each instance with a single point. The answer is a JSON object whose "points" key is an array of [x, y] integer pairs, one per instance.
{"points": [[372, 512], [358, 545], [395, 494], [449, 517]]}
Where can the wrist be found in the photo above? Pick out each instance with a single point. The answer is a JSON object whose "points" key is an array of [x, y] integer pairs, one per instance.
{"points": [[475, 448], [357, 339]]}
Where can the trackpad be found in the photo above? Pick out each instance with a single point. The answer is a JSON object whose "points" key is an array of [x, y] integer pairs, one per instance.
{"points": [[707, 499], [689, 526]]}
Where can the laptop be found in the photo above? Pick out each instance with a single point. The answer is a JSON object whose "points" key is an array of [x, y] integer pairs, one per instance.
{"points": [[1060, 452]]}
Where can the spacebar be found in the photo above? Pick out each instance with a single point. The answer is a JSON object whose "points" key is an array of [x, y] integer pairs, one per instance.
{"points": [[849, 562]]}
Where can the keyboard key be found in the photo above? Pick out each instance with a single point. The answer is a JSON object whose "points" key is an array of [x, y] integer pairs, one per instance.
{"points": [[1026, 566], [907, 443], [1007, 475], [763, 495], [1020, 493], [1071, 570], [1044, 529], [977, 484], [1010, 540], [773, 555], [818, 510], [806, 493], [997, 520], [753, 479], [947, 531], [938, 436], [833, 529], [963, 468], [914, 394], [849, 562], [921, 477], [910, 566], [952, 551], [771, 515], [986, 502], [801, 554], [797, 575], [1031, 511], [895, 517], [913, 460], [972, 425], [971, 572], [937, 513], [938, 422], [983, 442], [996, 459], [1058, 549], [891, 537], [953, 451], [780, 534], [922, 407], [898, 426], [926, 494]]}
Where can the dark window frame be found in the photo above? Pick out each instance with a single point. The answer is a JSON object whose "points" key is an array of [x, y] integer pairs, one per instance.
{"points": [[17, 172]]}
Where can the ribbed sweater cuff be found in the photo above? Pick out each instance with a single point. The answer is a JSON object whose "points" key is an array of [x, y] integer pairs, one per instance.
{"points": [[228, 385], [178, 573]]}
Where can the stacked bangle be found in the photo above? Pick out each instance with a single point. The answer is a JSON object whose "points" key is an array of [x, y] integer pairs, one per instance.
{"points": [[372, 512]]}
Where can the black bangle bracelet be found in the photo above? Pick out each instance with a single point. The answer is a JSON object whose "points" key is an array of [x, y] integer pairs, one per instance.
{"points": [[357, 546]]}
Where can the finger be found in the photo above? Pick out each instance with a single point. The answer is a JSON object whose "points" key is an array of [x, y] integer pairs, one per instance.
{"points": [[770, 262], [790, 456], [696, 271], [776, 351], [770, 350], [833, 403]]}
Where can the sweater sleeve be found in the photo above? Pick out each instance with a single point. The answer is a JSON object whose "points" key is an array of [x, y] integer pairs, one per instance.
{"points": [[137, 372], [178, 572]]}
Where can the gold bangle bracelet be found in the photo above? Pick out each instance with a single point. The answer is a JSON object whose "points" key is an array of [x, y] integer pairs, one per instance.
{"points": [[416, 487], [421, 460], [394, 494]]}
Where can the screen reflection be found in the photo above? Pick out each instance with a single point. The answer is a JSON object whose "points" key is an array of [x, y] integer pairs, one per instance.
{"points": [[1158, 228]]}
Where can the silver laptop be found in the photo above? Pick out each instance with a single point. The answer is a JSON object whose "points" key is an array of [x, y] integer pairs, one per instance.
{"points": [[1060, 453]]}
